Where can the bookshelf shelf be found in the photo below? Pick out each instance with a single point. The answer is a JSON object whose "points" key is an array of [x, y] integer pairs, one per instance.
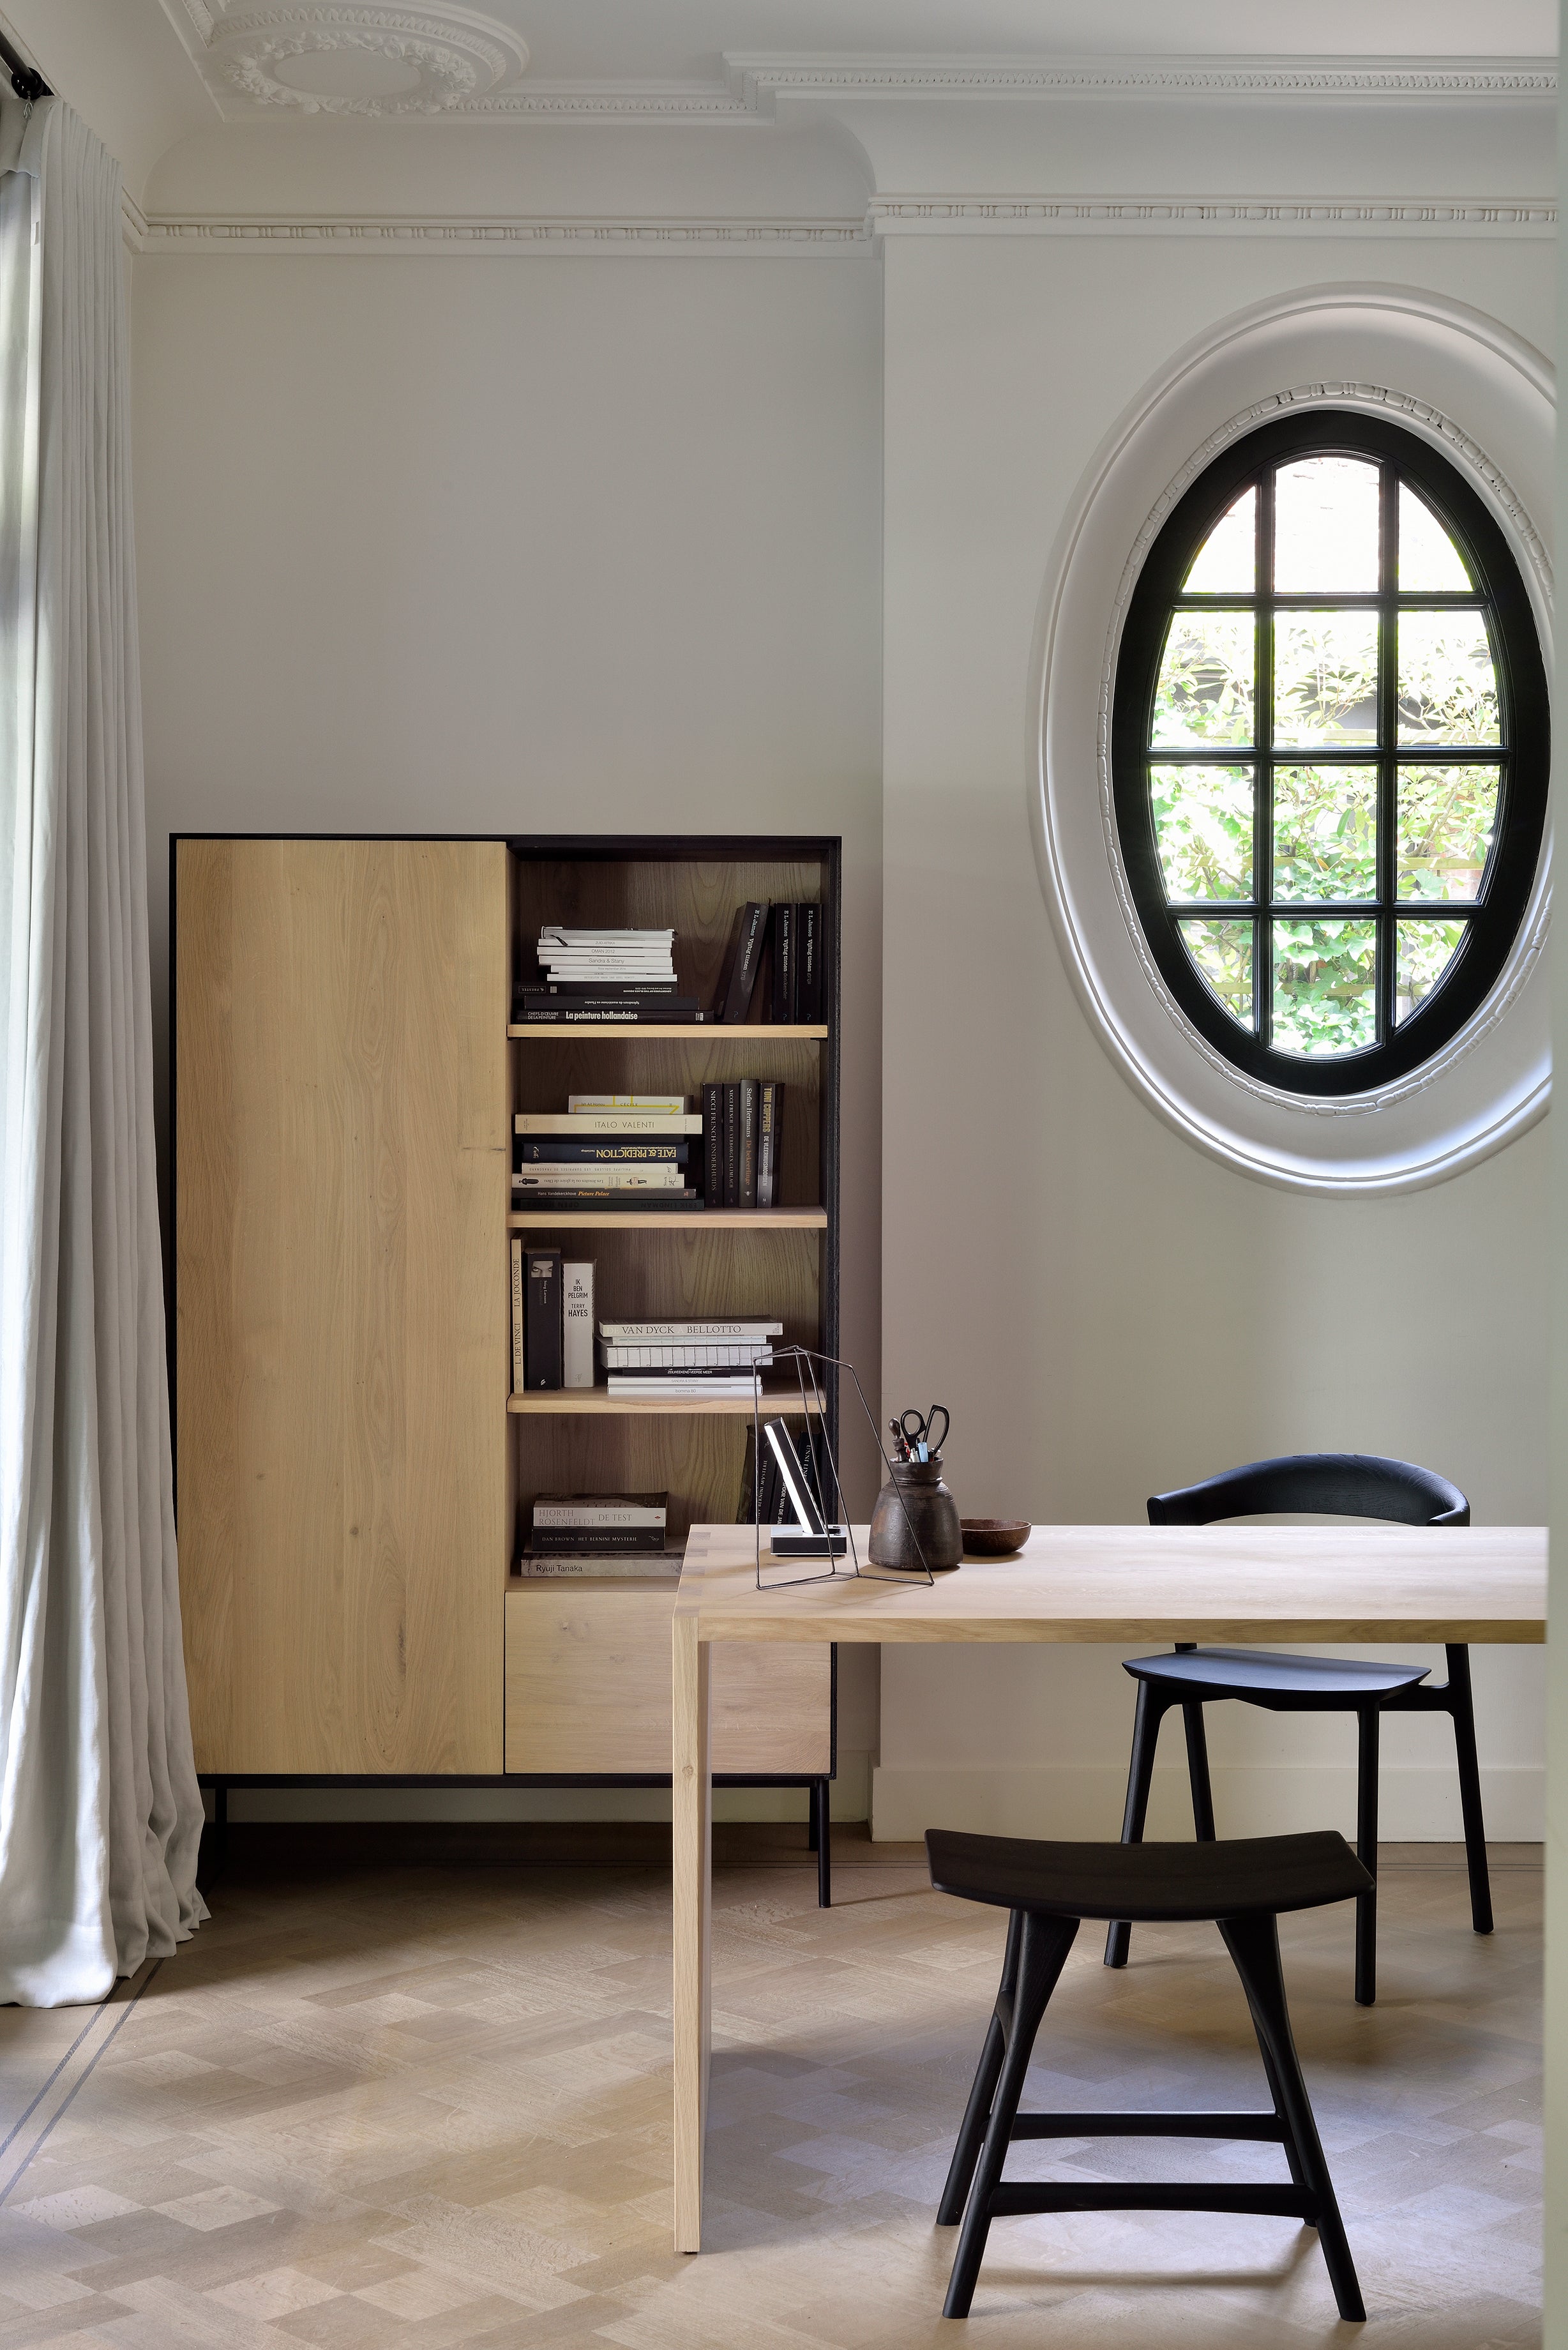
{"points": [[671, 1219], [555, 1403], [634, 1032]]}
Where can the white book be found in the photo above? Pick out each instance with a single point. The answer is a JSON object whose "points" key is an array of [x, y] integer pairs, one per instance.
{"points": [[637, 1388], [644, 1334], [577, 1326], [590, 1178], [575, 938], [590, 1510], [647, 1565], [673, 1105], [678, 1356], [584, 1124]]}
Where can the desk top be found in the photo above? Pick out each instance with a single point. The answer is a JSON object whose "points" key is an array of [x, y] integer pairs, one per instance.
{"points": [[1128, 1585]]}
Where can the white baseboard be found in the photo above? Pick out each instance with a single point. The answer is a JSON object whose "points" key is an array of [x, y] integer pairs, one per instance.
{"points": [[1418, 1804], [850, 1801]]}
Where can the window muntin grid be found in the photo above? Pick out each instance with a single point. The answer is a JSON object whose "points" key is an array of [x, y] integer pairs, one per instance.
{"points": [[1329, 752]]}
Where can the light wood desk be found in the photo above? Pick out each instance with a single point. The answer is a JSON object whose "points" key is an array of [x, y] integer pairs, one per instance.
{"points": [[1129, 1587]]}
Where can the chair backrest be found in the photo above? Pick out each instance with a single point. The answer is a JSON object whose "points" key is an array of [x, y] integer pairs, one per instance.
{"points": [[1326, 1484]]}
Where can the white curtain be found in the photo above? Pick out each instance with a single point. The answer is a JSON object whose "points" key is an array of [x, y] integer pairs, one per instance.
{"points": [[99, 1811]]}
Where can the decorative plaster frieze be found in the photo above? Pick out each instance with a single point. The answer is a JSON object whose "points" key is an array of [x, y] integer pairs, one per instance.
{"points": [[722, 238], [469, 66], [932, 215], [761, 80], [906, 217]]}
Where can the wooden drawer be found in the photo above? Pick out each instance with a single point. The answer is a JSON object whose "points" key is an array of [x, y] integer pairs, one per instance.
{"points": [[587, 1688]]}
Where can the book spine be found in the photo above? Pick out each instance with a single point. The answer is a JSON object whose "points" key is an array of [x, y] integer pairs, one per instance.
{"points": [[597, 1179], [744, 973], [588, 1126], [519, 1370], [714, 1145], [578, 1324], [542, 1337], [731, 1144], [767, 1129], [782, 994], [604, 991], [556, 1542], [607, 1016], [671, 1105], [603, 1154], [561, 1570], [685, 1333], [746, 1507], [681, 1355], [808, 958], [747, 1197], [563, 1517]]}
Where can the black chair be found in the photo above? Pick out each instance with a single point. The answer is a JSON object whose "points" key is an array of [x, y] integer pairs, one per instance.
{"points": [[1327, 1484], [1243, 1886]]}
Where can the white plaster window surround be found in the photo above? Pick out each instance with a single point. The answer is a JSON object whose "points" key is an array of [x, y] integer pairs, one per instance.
{"points": [[1486, 400]]}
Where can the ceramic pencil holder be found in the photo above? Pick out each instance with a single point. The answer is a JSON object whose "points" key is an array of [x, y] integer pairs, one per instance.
{"points": [[915, 1520]]}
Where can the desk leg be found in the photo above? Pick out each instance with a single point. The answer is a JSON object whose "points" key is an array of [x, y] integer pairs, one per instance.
{"points": [[692, 1784]]}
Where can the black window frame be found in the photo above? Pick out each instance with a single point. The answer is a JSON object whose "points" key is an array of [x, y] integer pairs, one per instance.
{"points": [[1522, 754]]}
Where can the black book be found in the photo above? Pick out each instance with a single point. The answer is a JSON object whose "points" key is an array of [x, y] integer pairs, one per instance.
{"points": [[713, 1144], [747, 1195], [781, 1004], [542, 1317], [630, 1012], [607, 1153], [663, 990], [582, 1542], [631, 1202], [732, 1146], [808, 962], [739, 975], [770, 1130]]}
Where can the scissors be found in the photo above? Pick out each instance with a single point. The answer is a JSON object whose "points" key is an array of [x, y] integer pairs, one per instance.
{"points": [[922, 1438]]}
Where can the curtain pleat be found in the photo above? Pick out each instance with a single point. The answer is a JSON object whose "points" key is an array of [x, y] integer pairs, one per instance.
{"points": [[99, 1812]]}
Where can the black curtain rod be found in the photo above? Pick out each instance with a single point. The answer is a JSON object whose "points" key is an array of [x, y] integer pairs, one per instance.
{"points": [[27, 80]]}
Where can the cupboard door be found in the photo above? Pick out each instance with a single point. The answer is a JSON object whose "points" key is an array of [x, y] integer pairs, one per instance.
{"points": [[587, 1688], [342, 1339]]}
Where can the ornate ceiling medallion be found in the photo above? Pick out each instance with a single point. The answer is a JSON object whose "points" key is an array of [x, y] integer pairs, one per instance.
{"points": [[348, 56]]}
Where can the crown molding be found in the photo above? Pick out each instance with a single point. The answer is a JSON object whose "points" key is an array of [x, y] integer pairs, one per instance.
{"points": [[760, 79], [724, 239], [940, 215], [906, 216]]}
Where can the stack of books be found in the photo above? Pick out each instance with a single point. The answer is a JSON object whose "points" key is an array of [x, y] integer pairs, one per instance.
{"points": [[742, 1127], [598, 1533], [606, 1151], [653, 1361], [588, 978]]}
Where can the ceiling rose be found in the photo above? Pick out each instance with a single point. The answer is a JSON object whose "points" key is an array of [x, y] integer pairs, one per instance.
{"points": [[350, 56]]}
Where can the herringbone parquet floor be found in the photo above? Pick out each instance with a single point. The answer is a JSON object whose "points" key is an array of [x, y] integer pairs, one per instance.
{"points": [[426, 2106]]}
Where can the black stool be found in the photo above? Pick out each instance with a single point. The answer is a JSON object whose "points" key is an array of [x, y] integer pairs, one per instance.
{"points": [[1243, 1886]]}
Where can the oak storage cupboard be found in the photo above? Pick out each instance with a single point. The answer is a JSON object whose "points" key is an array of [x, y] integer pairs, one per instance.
{"points": [[351, 1465]]}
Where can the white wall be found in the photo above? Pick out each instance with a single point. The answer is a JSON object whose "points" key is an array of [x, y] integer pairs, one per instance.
{"points": [[1104, 1310], [481, 545]]}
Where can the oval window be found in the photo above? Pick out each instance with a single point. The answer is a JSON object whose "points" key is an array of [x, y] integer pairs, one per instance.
{"points": [[1330, 752]]}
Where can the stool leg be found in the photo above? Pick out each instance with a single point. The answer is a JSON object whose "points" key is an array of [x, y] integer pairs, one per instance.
{"points": [[1198, 1771], [1254, 1945], [1461, 1705], [1151, 1707], [977, 2113], [1042, 1951], [1367, 1853]]}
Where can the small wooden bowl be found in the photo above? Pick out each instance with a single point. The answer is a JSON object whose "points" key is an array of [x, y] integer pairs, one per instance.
{"points": [[994, 1537]]}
